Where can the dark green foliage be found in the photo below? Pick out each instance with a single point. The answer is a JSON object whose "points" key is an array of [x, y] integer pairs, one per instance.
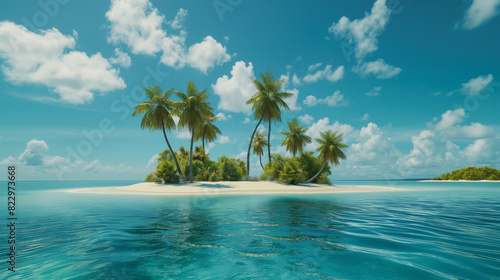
{"points": [[204, 169], [231, 169], [166, 173], [291, 173], [472, 173], [296, 170]]}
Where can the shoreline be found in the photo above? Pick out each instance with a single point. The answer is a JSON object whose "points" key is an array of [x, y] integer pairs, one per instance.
{"points": [[230, 188]]}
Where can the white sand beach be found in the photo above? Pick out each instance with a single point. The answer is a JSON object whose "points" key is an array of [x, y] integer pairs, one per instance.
{"points": [[227, 188]]}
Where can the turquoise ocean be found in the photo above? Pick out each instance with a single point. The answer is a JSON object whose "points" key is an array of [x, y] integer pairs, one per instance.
{"points": [[442, 230]]}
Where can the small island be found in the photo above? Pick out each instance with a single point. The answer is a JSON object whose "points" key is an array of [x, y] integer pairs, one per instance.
{"points": [[471, 174]]}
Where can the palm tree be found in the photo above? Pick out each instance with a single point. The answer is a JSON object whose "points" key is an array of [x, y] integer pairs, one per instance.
{"points": [[329, 149], [259, 143], [295, 139], [192, 110], [158, 114], [207, 131], [266, 104]]}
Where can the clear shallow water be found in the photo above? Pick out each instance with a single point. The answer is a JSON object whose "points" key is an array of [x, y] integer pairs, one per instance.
{"points": [[442, 231]]}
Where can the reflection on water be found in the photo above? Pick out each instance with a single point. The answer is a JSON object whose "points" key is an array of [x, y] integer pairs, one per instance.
{"points": [[406, 235], [291, 233]]}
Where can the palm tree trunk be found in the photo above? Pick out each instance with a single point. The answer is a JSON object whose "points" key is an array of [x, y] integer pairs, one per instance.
{"points": [[269, 141], [260, 158], [250, 146], [173, 154], [191, 159], [203, 142], [317, 174]]}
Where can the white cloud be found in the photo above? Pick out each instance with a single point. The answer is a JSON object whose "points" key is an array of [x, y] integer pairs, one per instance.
{"points": [[34, 153], [223, 117], [310, 100], [377, 68], [137, 24], [450, 118], [475, 86], [145, 35], [121, 59], [179, 19], [292, 100], [307, 119], [153, 161], [296, 80], [374, 91], [323, 125], [363, 32], [327, 73], [314, 66], [242, 156], [183, 134], [235, 91], [247, 120], [480, 12], [207, 54], [42, 59], [365, 117], [335, 100], [223, 139], [449, 126]]}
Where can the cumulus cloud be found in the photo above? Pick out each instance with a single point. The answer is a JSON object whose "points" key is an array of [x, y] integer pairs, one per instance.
{"points": [[145, 35], [335, 100], [327, 73], [323, 125], [479, 12], [363, 33], [121, 59], [477, 85], [207, 54], [292, 100], [235, 91], [137, 24], [223, 139], [48, 58], [223, 117], [247, 120], [307, 119], [378, 68]]}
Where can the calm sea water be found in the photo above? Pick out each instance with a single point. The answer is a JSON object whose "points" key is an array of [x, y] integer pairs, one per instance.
{"points": [[437, 231]]}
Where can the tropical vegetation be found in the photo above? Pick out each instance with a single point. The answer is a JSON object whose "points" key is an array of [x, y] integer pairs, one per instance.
{"points": [[471, 173], [194, 113]]}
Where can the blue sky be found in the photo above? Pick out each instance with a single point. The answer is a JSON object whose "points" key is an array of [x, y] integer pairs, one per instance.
{"points": [[413, 85]]}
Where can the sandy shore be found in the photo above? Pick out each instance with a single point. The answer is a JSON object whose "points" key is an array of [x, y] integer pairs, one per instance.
{"points": [[219, 188]]}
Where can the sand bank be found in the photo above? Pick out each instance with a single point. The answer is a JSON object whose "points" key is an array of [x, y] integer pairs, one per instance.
{"points": [[221, 188]]}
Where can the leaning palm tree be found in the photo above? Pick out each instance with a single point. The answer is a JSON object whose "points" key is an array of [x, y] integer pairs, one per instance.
{"points": [[266, 104], [158, 115], [207, 131], [295, 139], [329, 149], [259, 143], [192, 109]]}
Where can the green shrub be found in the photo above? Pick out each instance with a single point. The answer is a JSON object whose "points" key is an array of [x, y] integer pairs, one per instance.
{"points": [[151, 177], [230, 169], [166, 173], [472, 173], [291, 173]]}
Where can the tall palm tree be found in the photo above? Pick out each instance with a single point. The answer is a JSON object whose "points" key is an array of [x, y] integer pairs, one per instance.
{"points": [[207, 131], [259, 143], [329, 149], [158, 114], [192, 109], [295, 139], [266, 104]]}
